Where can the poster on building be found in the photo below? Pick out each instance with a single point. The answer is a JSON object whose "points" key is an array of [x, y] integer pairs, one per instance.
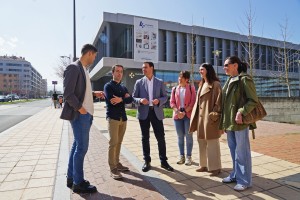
{"points": [[145, 40]]}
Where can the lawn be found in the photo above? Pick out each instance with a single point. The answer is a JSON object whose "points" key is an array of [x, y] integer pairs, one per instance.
{"points": [[167, 111]]}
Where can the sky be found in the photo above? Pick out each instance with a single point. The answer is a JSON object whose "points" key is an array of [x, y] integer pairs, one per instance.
{"points": [[42, 30]]}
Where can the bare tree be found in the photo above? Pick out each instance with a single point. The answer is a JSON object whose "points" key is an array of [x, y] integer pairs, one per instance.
{"points": [[285, 57], [59, 70], [249, 46]]}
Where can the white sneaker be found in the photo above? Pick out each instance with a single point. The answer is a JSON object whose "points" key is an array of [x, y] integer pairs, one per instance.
{"points": [[228, 180], [240, 187], [188, 160], [181, 160]]}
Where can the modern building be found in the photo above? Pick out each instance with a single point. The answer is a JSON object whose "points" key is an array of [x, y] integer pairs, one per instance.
{"points": [[129, 40], [18, 76]]}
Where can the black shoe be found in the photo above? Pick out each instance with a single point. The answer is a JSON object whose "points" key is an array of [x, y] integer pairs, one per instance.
{"points": [[146, 167], [69, 183], [166, 166], [84, 187]]}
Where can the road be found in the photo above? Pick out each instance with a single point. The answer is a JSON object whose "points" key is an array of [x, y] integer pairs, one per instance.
{"points": [[13, 114]]}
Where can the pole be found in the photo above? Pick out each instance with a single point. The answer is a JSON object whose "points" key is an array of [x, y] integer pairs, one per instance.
{"points": [[74, 31]]}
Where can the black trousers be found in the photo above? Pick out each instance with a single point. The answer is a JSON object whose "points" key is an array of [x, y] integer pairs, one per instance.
{"points": [[159, 133]]}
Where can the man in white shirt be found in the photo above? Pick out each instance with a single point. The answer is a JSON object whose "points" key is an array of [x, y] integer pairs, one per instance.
{"points": [[79, 110], [150, 95]]}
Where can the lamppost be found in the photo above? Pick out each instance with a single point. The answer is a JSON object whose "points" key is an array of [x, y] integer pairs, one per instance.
{"points": [[217, 54], [74, 31]]}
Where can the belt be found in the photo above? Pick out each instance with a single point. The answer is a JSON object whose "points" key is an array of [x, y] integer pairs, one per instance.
{"points": [[151, 107]]}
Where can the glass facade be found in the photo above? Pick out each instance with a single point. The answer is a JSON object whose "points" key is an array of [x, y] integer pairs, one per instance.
{"points": [[265, 86], [116, 40]]}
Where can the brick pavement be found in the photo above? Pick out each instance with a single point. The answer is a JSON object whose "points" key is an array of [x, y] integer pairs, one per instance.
{"points": [[132, 186], [33, 159]]}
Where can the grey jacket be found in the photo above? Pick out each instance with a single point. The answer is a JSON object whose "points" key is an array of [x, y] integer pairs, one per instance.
{"points": [[74, 90], [140, 91]]}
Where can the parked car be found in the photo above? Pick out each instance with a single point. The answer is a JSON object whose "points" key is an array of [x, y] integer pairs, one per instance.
{"points": [[3, 98], [12, 96]]}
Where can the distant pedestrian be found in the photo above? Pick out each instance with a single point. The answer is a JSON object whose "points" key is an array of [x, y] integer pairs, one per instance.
{"points": [[205, 120], [150, 96], [232, 120], [182, 101], [60, 100], [54, 99], [116, 96], [79, 109]]}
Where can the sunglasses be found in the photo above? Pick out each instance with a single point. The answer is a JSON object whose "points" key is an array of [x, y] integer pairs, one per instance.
{"points": [[226, 65]]}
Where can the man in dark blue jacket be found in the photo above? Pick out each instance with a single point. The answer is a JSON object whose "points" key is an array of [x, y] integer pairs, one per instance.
{"points": [[116, 96], [79, 110]]}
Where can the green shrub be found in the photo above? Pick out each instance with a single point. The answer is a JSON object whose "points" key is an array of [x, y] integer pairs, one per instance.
{"points": [[167, 111]]}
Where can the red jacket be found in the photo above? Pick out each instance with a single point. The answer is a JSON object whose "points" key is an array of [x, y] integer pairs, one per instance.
{"points": [[189, 99]]}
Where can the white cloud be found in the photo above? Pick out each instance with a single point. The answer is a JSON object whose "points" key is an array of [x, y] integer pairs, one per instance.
{"points": [[1, 41], [7, 44]]}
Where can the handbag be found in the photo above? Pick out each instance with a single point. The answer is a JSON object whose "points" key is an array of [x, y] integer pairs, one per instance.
{"points": [[254, 115]]}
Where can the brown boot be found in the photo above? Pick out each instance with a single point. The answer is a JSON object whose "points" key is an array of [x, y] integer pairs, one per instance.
{"points": [[202, 169]]}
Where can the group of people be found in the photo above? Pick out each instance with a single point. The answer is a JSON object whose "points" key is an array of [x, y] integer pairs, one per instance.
{"points": [[209, 112]]}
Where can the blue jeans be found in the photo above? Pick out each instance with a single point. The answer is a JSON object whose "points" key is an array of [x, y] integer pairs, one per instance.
{"points": [[182, 128], [81, 128], [239, 145]]}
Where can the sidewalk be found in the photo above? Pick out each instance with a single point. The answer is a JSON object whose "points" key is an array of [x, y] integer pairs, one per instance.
{"points": [[34, 157]]}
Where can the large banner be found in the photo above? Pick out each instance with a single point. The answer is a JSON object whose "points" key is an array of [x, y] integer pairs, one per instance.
{"points": [[145, 40]]}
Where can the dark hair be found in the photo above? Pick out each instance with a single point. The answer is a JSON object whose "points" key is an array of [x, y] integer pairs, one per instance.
{"points": [[210, 75], [88, 47], [242, 66], [185, 74], [114, 67], [150, 64]]}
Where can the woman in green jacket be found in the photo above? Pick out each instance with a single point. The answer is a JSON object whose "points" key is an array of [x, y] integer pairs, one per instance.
{"points": [[232, 120]]}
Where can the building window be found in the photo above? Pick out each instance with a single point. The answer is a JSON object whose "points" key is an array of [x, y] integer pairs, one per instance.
{"points": [[13, 64]]}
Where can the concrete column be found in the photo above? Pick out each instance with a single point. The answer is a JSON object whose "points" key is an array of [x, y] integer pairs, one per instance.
{"points": [[224, 56], [207, 50], [108, 44], [198, 50], [216, 47], [179, 47], [188, 48], [259, 54], [231, 48], [267, 58], [170, 46], [239, 50]]}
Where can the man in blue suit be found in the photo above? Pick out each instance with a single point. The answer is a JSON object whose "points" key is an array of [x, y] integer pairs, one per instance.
{"points": [[150, 95]]}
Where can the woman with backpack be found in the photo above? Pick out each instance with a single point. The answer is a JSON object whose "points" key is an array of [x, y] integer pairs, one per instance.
{"points": [[182, 101], [238, 87]]}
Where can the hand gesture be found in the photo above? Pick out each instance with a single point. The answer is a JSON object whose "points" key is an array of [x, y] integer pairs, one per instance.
{"points": [[115, 100], [144, 101], [155, 102]]}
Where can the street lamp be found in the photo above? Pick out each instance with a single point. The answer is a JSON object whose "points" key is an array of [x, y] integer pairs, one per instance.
{"points": [[217, 54], [74, 31]]}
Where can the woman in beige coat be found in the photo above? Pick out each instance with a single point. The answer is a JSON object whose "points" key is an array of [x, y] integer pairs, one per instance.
{"points": [[205, 120]]}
